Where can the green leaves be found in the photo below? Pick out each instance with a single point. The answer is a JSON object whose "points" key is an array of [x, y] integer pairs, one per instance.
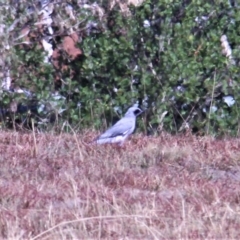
{"points": [[166, 55]]}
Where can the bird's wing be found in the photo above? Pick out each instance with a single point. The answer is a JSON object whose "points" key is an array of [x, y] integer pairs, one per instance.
{"points": [[121, 128]]}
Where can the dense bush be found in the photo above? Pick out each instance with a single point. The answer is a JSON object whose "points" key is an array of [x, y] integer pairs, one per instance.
{"points": [[172, 57]]}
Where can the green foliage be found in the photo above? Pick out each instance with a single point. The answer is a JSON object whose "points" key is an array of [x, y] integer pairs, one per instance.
{"points": [[166, 55]]}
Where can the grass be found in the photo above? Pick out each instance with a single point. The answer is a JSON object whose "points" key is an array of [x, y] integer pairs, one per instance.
{"points": [[166, 187]]}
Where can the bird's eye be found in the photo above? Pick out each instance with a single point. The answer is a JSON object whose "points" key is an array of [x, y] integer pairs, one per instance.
{"points": [[137, 112]]}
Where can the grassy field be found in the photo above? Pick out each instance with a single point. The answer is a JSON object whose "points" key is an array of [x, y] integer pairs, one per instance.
{"points": [[166, 187]]}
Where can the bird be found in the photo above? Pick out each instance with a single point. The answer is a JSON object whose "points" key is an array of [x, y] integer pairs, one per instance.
{"points": [[121, 130]]}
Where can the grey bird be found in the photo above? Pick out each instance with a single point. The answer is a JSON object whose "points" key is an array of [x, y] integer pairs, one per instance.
{"points": [[121, 129]]}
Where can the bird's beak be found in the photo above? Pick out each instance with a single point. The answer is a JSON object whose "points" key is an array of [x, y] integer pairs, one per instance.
{"points": [[140, 112]]}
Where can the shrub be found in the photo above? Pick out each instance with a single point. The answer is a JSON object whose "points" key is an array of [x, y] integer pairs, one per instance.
{"points": [[179, 60]]}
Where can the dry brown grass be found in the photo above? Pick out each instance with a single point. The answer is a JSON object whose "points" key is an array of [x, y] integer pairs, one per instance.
{"points": [[166, 187]]}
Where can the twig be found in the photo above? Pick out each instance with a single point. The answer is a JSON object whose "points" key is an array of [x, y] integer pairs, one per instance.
{"points": [[86, 219]]}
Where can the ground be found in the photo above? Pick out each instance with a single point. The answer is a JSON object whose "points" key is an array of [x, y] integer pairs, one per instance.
{"points": [[165, 187]]}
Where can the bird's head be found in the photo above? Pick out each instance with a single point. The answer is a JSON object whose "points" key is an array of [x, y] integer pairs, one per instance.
{"points": [[133, 112]]}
